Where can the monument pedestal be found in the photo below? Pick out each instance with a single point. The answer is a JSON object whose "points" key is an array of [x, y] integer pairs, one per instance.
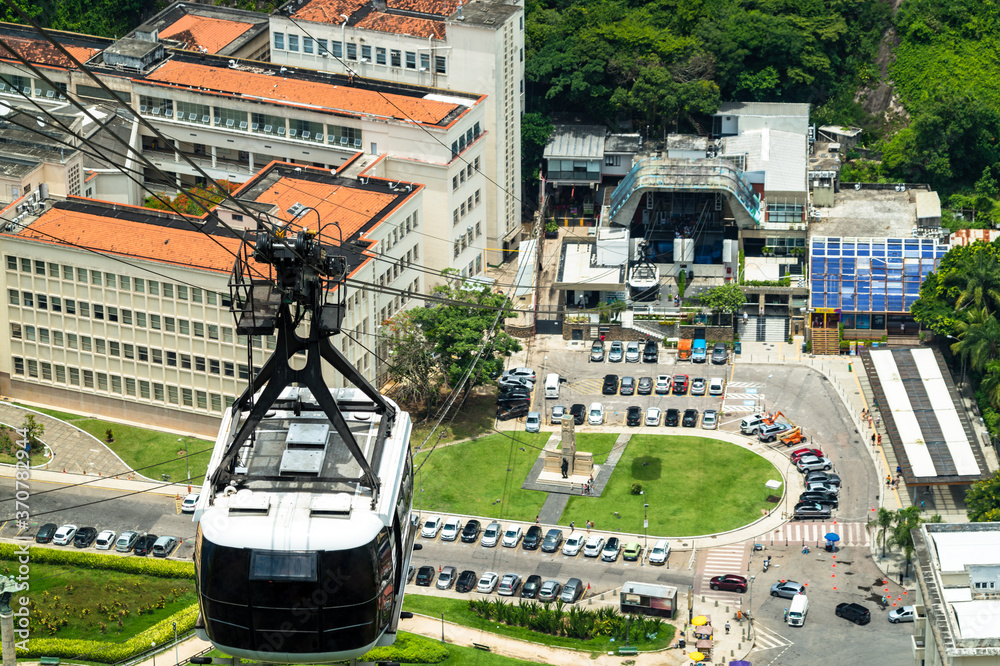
{"points": [[567, 466]]}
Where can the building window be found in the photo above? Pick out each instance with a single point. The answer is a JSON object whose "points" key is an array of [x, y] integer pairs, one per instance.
{"points": [[379, 55], [307, 45], [439, 65], [396, 58], [352, 51], [293, 42], [338, 49], [425, 62], [366, 53], [279, 40], [411, 60], [324, 47]]}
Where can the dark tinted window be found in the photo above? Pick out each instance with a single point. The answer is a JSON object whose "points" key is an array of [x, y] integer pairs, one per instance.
{"points": [[271, 566]]}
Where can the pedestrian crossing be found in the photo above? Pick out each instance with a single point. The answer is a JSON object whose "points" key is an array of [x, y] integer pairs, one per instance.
{"points": [[814, 534], [719, 562], [744, 384], [768, 639], [744, 396]]}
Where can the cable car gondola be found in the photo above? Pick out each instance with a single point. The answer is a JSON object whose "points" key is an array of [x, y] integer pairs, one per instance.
{"points": [[304, 530]]}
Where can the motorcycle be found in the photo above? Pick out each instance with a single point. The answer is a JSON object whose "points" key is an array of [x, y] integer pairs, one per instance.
{"points": [[767, 563]]}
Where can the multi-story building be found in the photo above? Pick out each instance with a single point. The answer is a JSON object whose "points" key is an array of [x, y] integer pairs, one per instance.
{"points": [[475, 46], [225, 31], [125, 312]]}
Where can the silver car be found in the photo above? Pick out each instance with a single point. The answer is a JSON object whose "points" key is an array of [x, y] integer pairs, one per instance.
{"points": [[710, 419], [632, 354], [787, 589], [558, 412], [446, 578], [698, 385], [616, 352], [491, 535]]}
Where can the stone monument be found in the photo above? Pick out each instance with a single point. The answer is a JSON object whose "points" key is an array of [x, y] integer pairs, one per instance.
{"points": [[567, 466]]}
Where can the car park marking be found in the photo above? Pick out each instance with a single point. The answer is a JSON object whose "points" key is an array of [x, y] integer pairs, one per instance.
{"points": [[587, 385], [851, 534]]}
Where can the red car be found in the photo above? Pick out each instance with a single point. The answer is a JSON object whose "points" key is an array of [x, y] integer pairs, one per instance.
{"points": [[680, 384], [799, 453], [730, 582]]}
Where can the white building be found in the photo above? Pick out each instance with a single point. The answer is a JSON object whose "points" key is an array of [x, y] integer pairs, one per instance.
{"points": [[475, 46]]}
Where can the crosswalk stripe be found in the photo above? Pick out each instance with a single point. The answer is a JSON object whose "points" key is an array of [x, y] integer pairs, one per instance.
{"points": [[738, 408], [851, 534], [745, 384], [766, 639]]}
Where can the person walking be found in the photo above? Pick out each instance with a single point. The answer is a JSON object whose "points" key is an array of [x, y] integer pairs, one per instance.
{"points": [[879, 440], [572, 526], [888, 480], [727, 627], [873, 439], [899, 470]]}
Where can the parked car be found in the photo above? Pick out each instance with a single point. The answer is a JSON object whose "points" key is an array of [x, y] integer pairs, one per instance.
{"points": [[822, 477], [680, 384], [579, 412], [510, 585], [470, 533], [627, 386], [716, 386], [645, 386], [903, 614], [672, 417], [660, 552], [572, 591], [597, 352], [425, 575], [488, 582], [633, 415], [558, 412], [698, 386], [530, 588], [650, 352], [663, 383], [612, 549], [813, 463], [596, 414], [631, 551], [431, 527], [798, 453], [710, 419], [719, 353], [856, 613], [594, 546], [632, 352], [573, 544], [812, 510], [522, 373], [610, 386], [532, 538], [163, 546], [690, 419], [126, 541], [105, 540], [512, 537], [652, 416], [549, 591], [410, 573], [466, 581], [190, 501], [45, 533], [451, 529], [64, 535], [511, 393], [515, 383], [771, 432], [144, 545], [491, 535], [533, 423], [819, 498], [85, 537], [505, 413], [553, 540], [822, 487], [616, 353], [787, 589], [446, 578], [729, 582]]}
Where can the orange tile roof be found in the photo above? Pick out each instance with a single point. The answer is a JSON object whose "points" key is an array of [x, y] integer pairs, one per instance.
{"points": [[345, 99], [351, 208], [42, 52], [403, 25], [438, 7], [181, 247], [328, 11], [200, 31]]}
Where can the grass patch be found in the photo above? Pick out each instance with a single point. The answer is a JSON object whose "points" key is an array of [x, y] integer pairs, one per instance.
{"points": [[600, 444], [693, 485], [151, 452], [469, 477], [457, 611], [472, 420], [62, 416]]}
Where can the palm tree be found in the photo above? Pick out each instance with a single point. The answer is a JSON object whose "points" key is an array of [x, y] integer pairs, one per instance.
{"points": [[883, 524], [978, 281], [978, 339], [990, 384]]}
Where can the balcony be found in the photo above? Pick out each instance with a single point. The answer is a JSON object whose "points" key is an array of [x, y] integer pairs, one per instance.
{"points": [[918, 648]]}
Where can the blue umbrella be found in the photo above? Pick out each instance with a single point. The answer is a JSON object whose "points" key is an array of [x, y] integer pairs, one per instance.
{"points": [[832, 536]]}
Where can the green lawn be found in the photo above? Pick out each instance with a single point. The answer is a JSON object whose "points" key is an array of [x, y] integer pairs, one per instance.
{"points": [[693, 485], [600, 444], [457, 611], [473, 419], [62, 416], [469, 477], [146, 450]]}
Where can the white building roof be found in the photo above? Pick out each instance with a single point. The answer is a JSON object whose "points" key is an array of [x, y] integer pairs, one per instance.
{"points": [[978, 619], [762, 109], [957, 550], [576, 142], [578, 270], [780, 155]]}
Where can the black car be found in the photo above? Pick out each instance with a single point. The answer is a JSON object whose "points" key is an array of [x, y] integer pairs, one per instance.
{"points": [[470, 533], [812, 510], [628, 386], [516, 394], [856, 613], [633, 416], [144, 544], [466, 581], [650, 354], [820, 498], [532, 538], [671, 417], [512, 412], [530, 588], [610, 385], [822, 477], [425, 575], [553, 540], [645, 386], [45, 533], [690, 419], [579, 412], [85, 537]]}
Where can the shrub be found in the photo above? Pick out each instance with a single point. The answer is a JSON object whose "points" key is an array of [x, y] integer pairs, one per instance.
{"points": [[409, 649], [132, 565], [636, 488]]}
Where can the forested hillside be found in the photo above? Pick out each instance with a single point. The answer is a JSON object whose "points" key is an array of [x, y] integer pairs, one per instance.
{"points": [[107, 18]]}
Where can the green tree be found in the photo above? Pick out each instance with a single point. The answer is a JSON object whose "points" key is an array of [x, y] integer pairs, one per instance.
{"points": [[905, 521], [724, 298], [982, 500], [535, 132], [413, 363], [33, 430], [882, 525], [989, 387], [978, 339], [977, 281]]}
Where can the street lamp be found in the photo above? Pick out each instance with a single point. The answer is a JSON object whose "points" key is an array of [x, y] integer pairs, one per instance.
{"points": [[154, 653], [750, 608], [177, 660]]}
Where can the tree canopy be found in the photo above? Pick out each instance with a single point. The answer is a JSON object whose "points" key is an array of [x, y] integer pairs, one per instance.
{"points": [[982, 501]]}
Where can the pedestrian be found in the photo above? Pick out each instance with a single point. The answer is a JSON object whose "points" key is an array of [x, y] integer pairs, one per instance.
{"points": [[921, 505], [902, 328], [537, 517], [572, 526], [880, 440], [888, 480], [727, 627], [899, 470], [786, 615], [873, 439], [899, 480], [588, 527], [864, 413]]}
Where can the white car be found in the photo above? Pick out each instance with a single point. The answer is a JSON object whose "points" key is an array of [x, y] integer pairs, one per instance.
{"points": [[523, 373], [812, 463], [653, 416], [105, 540], [431, 527], [533, 423], [488, 582], [820, 487], [660, 552], [511, 537], [663, 383], [187, 506], [632, 352], [573, 545], [716, 386], [64, 535], [903, 614], [612, 549], [710, 419], [491, 535], [451, 529], [596, 414], [594, 546]]}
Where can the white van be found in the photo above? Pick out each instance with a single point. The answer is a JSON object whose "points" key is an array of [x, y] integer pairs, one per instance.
{"points": [[552, 385], [797, 611]]}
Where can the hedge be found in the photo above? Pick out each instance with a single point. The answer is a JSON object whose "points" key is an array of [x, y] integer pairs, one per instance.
{"points": [[143, 566], [109, 653], [409, 649]]}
